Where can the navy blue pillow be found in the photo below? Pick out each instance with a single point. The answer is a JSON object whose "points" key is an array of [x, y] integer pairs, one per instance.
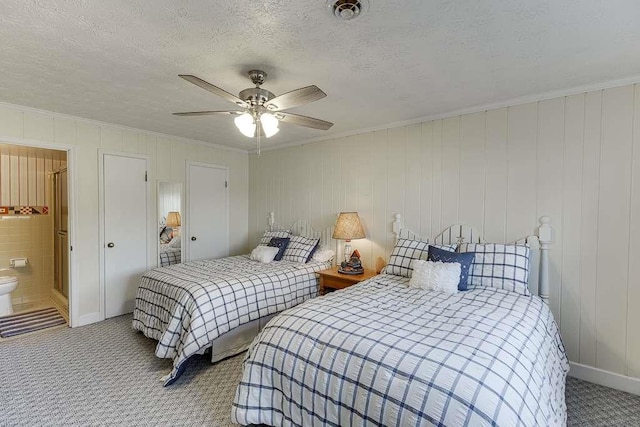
{"points": [[281, 243], [464, 259]]}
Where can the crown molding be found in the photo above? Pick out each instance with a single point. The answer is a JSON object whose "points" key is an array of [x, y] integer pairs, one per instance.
{"points": [[469, 110], [121, 127]]}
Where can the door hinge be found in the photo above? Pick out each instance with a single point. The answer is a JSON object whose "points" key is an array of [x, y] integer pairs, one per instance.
{"points": [[71, 248], [225, 184], [145, 176]]}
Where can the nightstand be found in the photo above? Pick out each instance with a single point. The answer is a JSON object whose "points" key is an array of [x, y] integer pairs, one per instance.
{"points": [[331, 279]]}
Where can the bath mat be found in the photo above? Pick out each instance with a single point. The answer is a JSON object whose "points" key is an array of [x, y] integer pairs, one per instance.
{"points": [[23, 323]]}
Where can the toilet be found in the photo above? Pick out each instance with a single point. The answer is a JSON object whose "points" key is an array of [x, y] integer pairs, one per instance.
{"points": [[8, 284]]}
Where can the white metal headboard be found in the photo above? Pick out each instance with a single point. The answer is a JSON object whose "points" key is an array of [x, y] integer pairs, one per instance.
{"points": [[460, 233], [301, 227]]}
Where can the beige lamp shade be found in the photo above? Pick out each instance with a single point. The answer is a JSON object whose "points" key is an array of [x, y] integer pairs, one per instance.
{"points": [[173, 219], [348, 227]]}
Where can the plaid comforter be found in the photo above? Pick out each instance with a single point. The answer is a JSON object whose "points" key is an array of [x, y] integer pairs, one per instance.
{"points": [[186, 306], [381, 353]]}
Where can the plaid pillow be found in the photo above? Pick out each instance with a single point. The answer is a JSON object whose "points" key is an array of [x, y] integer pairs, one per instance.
{"points": [[268, 235], [405, 251], [300, 249], [499, 266]]}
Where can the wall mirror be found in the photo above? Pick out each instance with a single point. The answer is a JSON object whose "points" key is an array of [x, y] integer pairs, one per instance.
{"points": [[170, 222]]}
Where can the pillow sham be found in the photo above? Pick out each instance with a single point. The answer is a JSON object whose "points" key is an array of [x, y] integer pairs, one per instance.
{"points": [[405, 251], [300, 249], [323, 255], [268, 235], [175, 242], [496, 265], [435, 276], [264, 254], [464, 259], [281, 243]]}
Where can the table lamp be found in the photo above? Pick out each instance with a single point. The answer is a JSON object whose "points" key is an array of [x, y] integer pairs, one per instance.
{"points": [[173, 221], [348, 227]]}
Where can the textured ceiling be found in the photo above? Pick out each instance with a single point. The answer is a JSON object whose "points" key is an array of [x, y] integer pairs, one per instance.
{"points": [[118, 60]]}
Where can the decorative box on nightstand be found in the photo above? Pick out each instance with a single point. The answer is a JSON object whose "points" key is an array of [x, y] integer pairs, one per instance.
{"points": [[331, 279]]}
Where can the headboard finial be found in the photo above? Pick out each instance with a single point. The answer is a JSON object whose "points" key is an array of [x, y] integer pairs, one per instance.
{"points": [[271, 220], [545, 232], [397, 225]]}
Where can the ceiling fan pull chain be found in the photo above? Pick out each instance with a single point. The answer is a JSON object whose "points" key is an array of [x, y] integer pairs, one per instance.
{"points": [[258, 124]]}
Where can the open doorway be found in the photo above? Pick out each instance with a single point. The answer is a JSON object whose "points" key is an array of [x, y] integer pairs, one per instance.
{"points": [[34, 253]]}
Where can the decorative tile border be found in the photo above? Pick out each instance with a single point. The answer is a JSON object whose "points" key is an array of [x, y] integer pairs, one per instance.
{"points": [[24, 210]]}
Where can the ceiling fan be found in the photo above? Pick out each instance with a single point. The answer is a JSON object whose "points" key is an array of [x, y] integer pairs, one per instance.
{"points": [[262, 110]]}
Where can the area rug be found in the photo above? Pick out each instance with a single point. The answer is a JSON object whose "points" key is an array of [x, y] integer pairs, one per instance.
{"points": [[23, 323]]}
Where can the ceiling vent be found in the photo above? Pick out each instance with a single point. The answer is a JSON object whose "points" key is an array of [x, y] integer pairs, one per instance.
{"points": [[346, 10]]}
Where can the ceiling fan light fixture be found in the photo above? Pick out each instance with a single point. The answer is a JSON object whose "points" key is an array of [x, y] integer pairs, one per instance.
{"points": [[269, 124], [246, 125]]}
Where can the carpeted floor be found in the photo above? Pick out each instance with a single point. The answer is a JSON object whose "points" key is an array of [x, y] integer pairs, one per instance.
{"points": [[106, 374]]}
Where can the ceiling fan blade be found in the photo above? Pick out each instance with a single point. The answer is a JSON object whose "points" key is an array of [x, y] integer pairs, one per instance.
{"points": [[207, 113], [213, 89], [296, 97], [299, 120]]}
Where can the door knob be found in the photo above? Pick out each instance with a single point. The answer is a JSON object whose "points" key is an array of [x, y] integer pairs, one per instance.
{"points": [[193, 238], [110, 245]]}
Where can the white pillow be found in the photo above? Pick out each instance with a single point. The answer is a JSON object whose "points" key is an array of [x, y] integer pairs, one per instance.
{"points": [[264, 254], [323, 255], [175, 243], [435, 276]]}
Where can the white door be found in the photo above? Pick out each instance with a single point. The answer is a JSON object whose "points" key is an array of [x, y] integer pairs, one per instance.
{"points": [[125, 231], [207, 212]]}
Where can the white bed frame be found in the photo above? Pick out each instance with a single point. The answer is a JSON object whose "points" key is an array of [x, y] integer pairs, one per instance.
{"points": [[237, 340], [460, 233]]}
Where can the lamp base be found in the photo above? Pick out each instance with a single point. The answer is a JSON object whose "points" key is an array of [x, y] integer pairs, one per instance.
{"points": [[351, 270]]}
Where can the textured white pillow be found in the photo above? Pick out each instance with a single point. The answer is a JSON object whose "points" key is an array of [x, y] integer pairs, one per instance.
{"points": [[175, 243], [323, 255], [435, 276], [264, 254]]}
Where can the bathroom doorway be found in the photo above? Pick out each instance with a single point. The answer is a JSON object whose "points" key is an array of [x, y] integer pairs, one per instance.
{"points": [[34, 218]]}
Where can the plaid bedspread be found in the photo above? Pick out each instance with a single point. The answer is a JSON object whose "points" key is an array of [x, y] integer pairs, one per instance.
{"points": [[186, 306], [380, 353], [170, 256]]}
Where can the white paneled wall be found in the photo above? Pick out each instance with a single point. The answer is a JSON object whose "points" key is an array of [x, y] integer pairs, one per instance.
{"points": [[168, 156], [576, 159]]}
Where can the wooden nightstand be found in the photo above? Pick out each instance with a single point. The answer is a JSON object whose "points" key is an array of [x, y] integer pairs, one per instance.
{"points": [[331, 279]]}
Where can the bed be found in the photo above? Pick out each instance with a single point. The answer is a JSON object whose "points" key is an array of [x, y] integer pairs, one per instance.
{"points": [[221, 303], [383, 353]]}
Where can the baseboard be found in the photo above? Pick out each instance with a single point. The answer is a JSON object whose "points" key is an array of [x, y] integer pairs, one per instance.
{"points": [[605, 378], [87, 319]]}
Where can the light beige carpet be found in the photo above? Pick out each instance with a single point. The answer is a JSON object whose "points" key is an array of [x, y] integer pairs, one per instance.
{"points": [[106, 374]]}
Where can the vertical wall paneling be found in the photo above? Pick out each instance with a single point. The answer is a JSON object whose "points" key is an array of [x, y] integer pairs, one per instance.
{"points": [[426, 178], [412, 183], [450, 170], [613, 223], [496, 180], [633, 294], [521, 169], [589, 229], [576, 159], [380, 230], [472, 170], [549, 172], [571, 221], [396, 157], [436, 165]]}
